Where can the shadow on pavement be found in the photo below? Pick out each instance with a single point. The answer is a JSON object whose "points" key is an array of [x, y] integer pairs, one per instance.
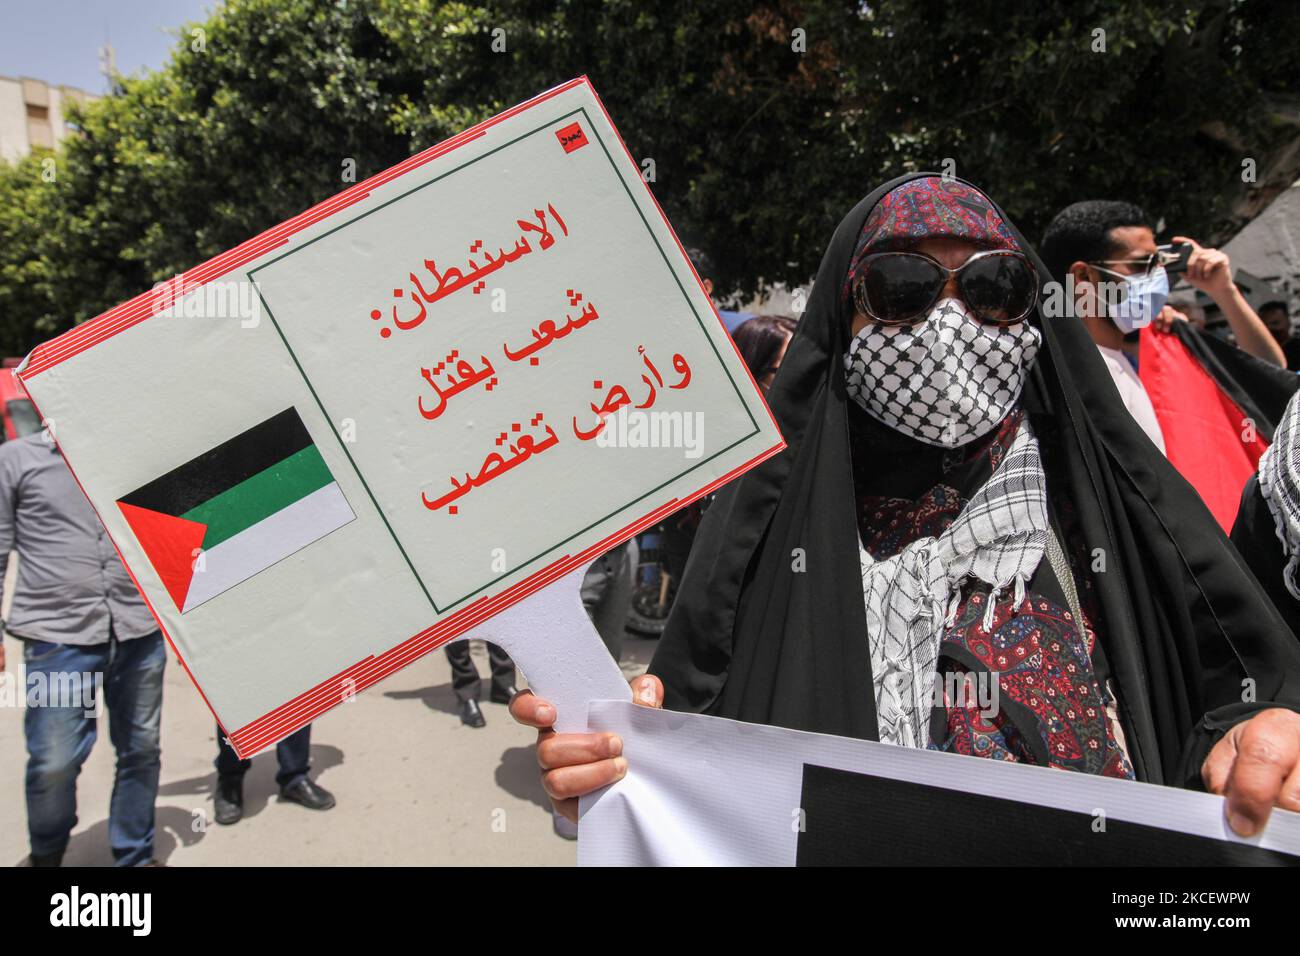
{"points": [[517, 774], [437, 697], [173, 827], [259, 783]]}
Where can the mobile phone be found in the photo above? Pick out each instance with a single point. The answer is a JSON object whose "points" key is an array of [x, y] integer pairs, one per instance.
{"points": [[1179, 253]]}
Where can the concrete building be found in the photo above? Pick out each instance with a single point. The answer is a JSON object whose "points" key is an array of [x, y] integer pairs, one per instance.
{"points": [[32, 115], [1268, 250], [1265, 263]]}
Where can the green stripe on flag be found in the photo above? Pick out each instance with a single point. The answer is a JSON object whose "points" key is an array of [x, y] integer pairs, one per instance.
{"points": [[261, 496]]}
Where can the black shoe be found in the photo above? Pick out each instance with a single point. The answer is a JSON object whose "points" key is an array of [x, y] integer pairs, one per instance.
{"points": [[308, 794], [503, 696], [228, 800], [471, 715]]}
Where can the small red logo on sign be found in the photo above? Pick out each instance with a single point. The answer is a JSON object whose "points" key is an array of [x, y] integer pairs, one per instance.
{"points": [[571, 137]]}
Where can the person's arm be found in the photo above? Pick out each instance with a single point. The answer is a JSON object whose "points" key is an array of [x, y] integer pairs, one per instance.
{"points": [[1210, 271], [8, 500]]}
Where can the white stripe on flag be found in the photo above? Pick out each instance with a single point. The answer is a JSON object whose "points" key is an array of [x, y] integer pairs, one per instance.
{"points": [[270, 540]]}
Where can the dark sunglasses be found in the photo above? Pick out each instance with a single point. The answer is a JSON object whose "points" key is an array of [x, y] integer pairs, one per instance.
{"points": [[999, 286], [1142, 265]]}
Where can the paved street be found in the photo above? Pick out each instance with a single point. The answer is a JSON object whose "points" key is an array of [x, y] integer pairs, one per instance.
{"points": [[414, 786]]}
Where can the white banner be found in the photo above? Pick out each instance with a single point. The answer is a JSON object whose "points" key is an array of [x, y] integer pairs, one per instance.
{"points": [[704, 791]]}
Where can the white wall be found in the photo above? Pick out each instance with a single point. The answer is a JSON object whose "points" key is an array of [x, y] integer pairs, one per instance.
{"points": [[13, 120]]}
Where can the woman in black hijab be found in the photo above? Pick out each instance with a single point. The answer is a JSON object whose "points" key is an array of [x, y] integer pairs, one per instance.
{"points": [[1267, 529], [963, 494]]}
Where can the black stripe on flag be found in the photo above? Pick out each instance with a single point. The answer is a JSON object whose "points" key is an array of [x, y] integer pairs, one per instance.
{"points": [[854, 819], [225, 466]]}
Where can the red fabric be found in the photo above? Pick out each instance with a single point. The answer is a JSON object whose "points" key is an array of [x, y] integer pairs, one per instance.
{"points": [[171, 544], [1207, 437]]}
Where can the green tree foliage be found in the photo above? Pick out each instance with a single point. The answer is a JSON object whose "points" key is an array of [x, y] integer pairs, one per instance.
{"points": [[764, 121], [26, 266]]}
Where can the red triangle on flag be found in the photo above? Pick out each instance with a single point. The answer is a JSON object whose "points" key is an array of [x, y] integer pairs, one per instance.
{"points": [[171, 544]]}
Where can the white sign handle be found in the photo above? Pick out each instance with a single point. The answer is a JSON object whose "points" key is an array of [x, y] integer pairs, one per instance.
{"points": [[552, 640]]}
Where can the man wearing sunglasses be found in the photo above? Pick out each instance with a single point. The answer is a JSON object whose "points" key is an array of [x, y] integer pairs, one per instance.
{"points": [[1115, 276]]}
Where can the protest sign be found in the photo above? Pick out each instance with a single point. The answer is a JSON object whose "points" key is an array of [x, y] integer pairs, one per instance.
{"points": [[706, 791], [373, 427]]}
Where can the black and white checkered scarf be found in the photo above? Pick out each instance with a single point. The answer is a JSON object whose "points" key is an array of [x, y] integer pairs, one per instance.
{"points": [[1279, 484], [945, 381], [913, 597]]}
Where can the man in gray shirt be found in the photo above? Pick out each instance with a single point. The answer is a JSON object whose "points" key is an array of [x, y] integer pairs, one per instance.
{"points": [[85, 631]]}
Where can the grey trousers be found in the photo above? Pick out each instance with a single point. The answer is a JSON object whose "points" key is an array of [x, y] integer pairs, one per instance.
{"points": [[607, 593]]}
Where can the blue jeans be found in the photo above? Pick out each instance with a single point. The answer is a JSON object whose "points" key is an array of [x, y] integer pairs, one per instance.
{"points": [[61, 729], [293, 754]]}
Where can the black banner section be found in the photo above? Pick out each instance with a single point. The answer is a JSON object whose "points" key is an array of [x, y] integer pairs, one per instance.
{"points": [[853, 819], [202, 478]]}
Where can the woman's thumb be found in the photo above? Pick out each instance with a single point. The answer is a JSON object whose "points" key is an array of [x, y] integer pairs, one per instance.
{"points": [[648, 691]]}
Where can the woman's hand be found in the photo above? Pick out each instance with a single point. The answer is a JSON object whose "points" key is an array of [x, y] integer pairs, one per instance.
{"points": [[577, 764], [1257, 766]]}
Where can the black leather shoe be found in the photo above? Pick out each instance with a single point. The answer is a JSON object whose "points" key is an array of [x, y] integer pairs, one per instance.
{"points": [[308, 794], [228, 800], [471, 715], [503, 696], [46, 860]]}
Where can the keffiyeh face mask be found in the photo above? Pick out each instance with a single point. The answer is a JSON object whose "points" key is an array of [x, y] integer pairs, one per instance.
{"points": [[945, 381]]}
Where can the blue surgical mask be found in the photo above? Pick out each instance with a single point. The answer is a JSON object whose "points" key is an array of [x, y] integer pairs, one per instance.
{"points": [[1145, 295]]}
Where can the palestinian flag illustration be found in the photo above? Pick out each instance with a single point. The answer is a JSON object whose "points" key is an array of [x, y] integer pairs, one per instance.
{"points": [[234, 511]]}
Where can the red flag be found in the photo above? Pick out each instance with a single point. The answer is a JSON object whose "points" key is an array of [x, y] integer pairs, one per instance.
{"points": [[1208, 438]]}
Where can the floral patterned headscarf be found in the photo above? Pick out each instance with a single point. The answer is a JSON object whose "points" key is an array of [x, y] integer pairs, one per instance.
{"points": [[927, 208]]}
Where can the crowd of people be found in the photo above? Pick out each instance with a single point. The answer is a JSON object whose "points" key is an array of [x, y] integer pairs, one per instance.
{"points": [[980, 487]]}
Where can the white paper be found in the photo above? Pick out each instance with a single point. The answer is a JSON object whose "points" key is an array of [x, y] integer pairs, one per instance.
{"points": [[552, 640], [704, 791]]}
